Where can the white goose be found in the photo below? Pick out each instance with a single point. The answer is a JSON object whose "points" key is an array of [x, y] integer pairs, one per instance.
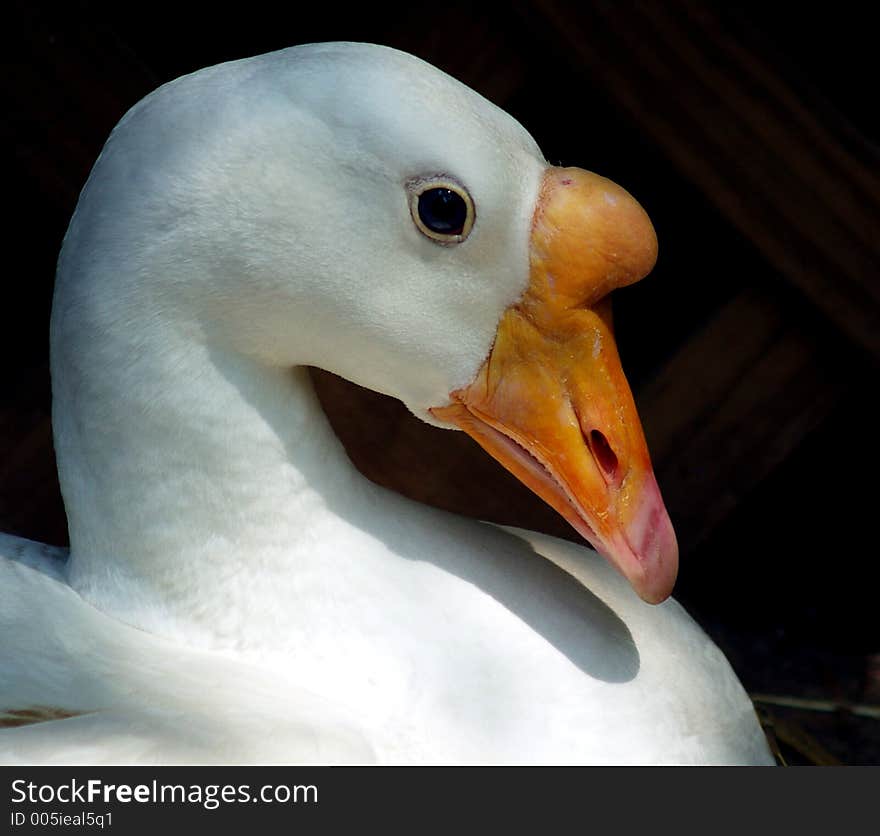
{"points": [[235, 591]]}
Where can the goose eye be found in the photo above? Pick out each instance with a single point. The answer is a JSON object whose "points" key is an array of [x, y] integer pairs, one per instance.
{"points": [[442, 210]]}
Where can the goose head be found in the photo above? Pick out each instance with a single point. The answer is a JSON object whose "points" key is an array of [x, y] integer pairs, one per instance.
{"points": [[350, 207]]}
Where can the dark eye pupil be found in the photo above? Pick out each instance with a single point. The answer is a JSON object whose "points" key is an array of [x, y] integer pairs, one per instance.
{"points": [[443, 211]]}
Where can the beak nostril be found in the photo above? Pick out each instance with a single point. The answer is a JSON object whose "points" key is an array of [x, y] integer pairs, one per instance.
{"points": [[604, 455]]}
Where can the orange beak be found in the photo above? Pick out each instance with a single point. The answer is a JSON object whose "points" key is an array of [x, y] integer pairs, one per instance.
{"points": [[551, 402]]}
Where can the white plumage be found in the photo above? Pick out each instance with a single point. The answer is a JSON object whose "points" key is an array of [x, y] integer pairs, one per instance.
{"points": [[235, 590]]}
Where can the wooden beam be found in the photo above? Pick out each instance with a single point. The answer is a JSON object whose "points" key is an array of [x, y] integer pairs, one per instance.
{"points": [[779, 166], [733, 403]]}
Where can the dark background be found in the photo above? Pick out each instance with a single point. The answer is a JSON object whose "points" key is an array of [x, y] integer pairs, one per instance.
{"points": [[749, 134]]}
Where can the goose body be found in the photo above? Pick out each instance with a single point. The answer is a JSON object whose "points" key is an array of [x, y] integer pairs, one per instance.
{"points": [[235, 591]]}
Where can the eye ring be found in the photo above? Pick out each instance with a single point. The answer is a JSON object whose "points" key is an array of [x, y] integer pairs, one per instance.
{"points": [[441, 209]]}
